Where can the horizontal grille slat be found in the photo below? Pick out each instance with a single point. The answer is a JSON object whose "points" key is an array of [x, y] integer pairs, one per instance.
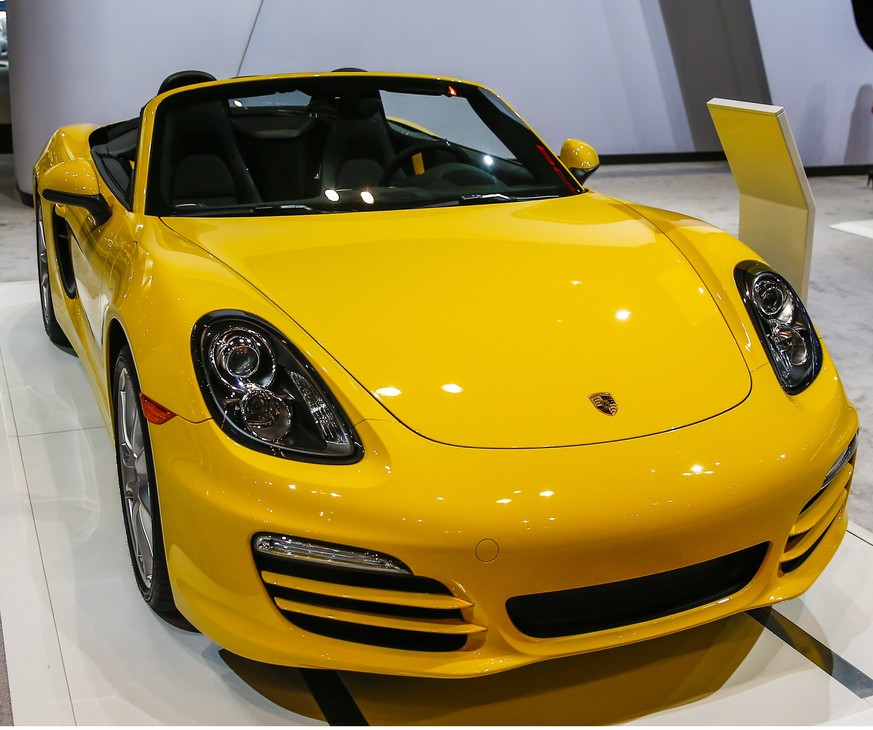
{"points": [[430, 626], [819, 506], [377, 636], [324, 600], [788, 566], [361, 593], [820, 513], [801, 543]]}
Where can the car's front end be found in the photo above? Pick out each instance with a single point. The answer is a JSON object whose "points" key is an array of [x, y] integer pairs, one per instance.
{"points": [[430, 559]]}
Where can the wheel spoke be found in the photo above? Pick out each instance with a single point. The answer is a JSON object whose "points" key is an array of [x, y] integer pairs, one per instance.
{"points": [[42, 264], [142, 528], [126, 431]]}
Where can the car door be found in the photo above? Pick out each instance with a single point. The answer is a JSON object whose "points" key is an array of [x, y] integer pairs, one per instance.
{"points": [[93, 250]]}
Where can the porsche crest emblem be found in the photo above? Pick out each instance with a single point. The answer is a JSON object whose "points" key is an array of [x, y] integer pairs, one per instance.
{"points": [[604, 403]]}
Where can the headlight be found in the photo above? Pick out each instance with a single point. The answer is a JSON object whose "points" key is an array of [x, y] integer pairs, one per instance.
{"points": [[264, 394], [782, 323]]}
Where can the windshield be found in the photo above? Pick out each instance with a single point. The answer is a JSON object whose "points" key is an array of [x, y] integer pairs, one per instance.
{"points": [[336, 143]]}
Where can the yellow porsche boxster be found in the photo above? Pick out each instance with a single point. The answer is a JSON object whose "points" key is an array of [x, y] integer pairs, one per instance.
{"points": [[392, 390]]}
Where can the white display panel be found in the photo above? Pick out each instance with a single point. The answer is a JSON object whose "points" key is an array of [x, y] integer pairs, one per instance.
{"points": [[777, 210]]}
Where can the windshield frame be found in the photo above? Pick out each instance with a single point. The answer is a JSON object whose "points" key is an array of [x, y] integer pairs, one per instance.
{"points": [[531, 155]]}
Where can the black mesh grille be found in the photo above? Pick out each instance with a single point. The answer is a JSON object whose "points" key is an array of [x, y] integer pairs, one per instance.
{"points": [[608, 606]]}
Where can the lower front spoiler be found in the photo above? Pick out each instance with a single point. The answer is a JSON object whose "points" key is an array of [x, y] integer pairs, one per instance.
{"points": [[314, 636]]}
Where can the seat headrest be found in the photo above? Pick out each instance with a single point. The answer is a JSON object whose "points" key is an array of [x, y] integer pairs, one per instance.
{"points": [[184, 78]]}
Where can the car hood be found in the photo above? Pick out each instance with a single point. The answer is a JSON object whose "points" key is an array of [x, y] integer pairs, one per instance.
{"points": [[498, 325]]}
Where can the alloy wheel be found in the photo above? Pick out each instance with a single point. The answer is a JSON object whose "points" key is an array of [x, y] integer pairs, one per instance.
{"points": [[136, 484]]}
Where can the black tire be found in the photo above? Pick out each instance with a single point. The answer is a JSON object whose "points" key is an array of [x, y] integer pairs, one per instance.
{"points": [[138, 488], [49, 321]]}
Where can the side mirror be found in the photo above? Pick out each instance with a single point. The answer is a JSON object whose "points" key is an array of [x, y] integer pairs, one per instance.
{"points": [[75, 183], [580, 158]]}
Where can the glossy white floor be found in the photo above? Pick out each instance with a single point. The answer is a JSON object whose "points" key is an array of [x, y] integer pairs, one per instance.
{"points": [[83, 649]]}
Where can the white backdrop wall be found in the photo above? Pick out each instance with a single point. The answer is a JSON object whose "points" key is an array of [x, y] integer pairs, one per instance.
{"points": [[585, 68], [571, 68], [821, 71], [602, 70], [101, 60]]}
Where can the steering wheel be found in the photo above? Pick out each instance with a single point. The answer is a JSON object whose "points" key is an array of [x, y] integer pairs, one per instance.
{"points": [[408, 153]]}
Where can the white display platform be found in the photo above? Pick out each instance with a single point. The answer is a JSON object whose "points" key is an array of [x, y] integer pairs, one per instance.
{"points": [[83, 649]]}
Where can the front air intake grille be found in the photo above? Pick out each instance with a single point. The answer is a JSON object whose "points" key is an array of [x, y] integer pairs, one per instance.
{"points": [[611, 605], [394, 611], [824, 508]]}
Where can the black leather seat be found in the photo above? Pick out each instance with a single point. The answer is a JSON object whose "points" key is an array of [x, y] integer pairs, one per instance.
{"points": [[357, 148], [200, 160], [203, 179]]}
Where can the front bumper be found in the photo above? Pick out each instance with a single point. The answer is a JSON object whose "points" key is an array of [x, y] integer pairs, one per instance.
{"points": [[484, 531]]}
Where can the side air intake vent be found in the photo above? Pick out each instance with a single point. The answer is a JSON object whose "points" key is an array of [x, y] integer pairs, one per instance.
{"points": [[366, 604]]}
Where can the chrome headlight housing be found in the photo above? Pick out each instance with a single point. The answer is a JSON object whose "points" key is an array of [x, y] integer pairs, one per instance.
{"points": [[782, 324], [264, 394]]}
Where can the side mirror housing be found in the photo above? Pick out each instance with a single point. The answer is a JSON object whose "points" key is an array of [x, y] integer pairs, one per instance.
{"points": [[75, 183], [580, 158]]}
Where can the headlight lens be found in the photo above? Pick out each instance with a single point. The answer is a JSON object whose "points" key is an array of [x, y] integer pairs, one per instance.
{"points": [[782, 323], [264, 394]]}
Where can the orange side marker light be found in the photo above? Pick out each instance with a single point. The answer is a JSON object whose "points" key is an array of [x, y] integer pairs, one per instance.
{"points": [[154, 412]]}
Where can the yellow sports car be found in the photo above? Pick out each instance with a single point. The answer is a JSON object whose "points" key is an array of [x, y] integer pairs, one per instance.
{"points": [[391, 390]]}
